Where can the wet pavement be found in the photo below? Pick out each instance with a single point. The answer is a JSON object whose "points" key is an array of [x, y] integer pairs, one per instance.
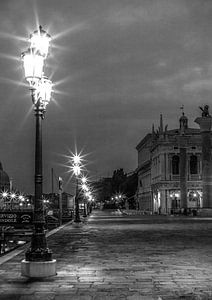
{"points": [[121, 257]]}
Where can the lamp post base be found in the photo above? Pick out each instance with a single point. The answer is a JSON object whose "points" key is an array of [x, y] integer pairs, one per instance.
{"points": [[38, 269]]}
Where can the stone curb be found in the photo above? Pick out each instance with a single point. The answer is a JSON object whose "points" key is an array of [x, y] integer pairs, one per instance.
{"points": [[20, 249]]}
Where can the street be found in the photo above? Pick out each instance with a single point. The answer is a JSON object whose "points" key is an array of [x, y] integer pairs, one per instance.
{"points": [[121, 257]]}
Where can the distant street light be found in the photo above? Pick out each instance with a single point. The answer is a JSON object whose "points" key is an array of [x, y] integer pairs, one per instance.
{"points": [[85, 189], [12, 198], [77, 168], [38, 259], [4, 194]]}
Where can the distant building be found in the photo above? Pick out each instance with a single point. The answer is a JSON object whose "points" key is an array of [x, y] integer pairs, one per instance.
{"points": [[4, 180], [170, 169], [67, 200]]}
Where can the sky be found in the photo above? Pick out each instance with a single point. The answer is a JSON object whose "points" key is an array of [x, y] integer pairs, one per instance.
{"points": [[116, 66]]}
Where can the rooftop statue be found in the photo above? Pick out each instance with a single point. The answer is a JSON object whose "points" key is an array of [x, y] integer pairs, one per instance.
{"points": [[205, 111]]}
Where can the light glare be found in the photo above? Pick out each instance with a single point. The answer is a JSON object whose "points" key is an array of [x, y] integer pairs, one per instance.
{"points": [[33, 67], [76, 159], [45, 89], [40, 40], [77, 170]]}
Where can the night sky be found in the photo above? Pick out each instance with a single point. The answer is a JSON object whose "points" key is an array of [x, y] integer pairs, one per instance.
{"points": [[116, 65]]}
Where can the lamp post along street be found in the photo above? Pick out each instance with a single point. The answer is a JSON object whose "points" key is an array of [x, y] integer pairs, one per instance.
{"points": [[77, 214], [84, 209], [85, 189], [38, 250], [76, 168], [60, 182], [38, 258]]}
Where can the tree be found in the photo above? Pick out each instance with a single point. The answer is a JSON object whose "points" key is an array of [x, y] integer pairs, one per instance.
{"points": [[118, 179], [129, 188]]}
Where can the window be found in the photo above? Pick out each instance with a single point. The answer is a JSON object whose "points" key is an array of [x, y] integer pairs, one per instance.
{"points": [[175, 165], [193, 164]]}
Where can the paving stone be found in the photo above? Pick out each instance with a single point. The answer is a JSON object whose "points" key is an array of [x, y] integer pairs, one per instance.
{"points": [[122, 257]]}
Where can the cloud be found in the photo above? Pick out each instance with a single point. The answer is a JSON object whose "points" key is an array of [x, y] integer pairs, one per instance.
{"points": [[198, 85], [147, 12], [117, 65], [178, 78]]}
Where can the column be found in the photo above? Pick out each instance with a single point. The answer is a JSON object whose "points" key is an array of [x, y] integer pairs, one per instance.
{"points": [[183, 178], [182, 141], [205, 123]]}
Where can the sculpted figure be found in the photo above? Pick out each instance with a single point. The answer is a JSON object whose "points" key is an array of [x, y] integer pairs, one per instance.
{"points": [[205, 111]]}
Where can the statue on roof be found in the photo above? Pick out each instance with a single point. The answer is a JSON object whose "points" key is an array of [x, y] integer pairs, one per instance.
{"points": [[205, 111]]}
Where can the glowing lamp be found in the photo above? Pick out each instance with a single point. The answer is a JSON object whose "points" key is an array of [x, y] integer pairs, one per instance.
{"points": [[77, 170], [45, 90], [33, 67], [76, 159], [40, 40], [87, 194], [13, 196], [84, 187], [84, 179], [21, 198]]}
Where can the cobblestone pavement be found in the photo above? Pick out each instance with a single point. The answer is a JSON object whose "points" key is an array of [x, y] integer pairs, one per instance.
{"points": [[121, 257]]}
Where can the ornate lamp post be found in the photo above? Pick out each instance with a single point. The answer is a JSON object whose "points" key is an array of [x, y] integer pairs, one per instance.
{"points": [[38, 259], [77, 170], [85, 189], [89, 199], [12, 199]]}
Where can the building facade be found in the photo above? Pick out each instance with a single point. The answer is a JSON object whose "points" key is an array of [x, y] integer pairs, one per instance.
{"points": [[4, 180], [170, 169]]}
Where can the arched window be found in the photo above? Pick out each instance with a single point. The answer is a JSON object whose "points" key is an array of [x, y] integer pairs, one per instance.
{"points": [[175, 165], [193, 164]]}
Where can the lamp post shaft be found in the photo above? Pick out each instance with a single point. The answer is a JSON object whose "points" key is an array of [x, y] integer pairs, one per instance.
{"points": [[38, 161], [84, 210], [38, 250], [77, 215]]}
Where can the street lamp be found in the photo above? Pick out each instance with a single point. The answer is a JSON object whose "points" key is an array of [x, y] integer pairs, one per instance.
{"points": [[40, 40], [12, 198], [77, 170], [85, 189], [38, 258]]}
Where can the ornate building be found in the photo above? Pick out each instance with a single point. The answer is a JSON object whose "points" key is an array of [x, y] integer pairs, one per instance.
{"points": [[170, 169]]}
